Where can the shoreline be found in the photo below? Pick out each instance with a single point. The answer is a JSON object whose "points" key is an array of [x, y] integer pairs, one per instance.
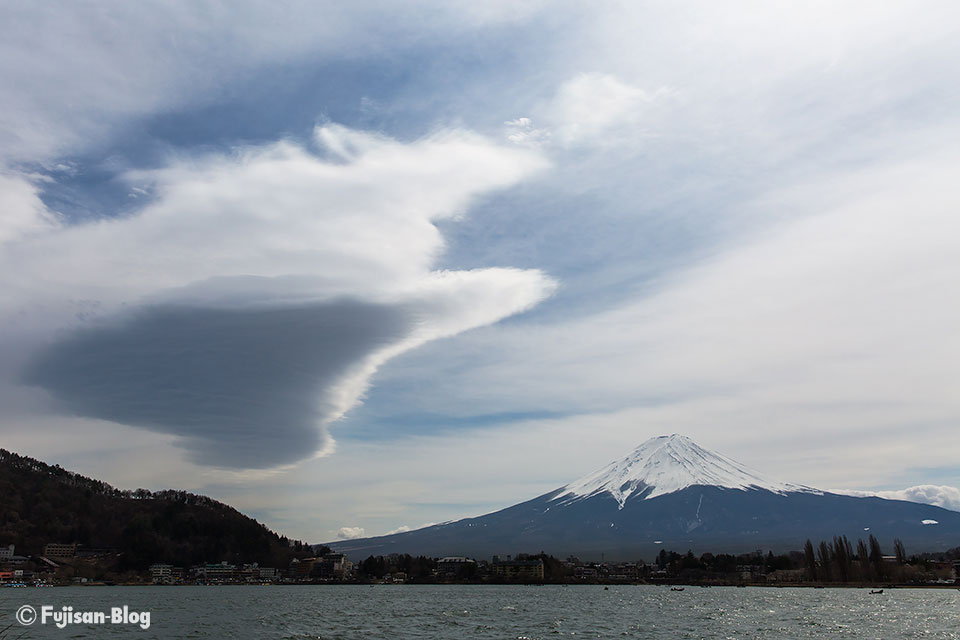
{"points": [[811, 585]]}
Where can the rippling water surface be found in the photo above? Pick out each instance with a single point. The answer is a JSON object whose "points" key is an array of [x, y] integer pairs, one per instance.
{"points": [[482, 611]]}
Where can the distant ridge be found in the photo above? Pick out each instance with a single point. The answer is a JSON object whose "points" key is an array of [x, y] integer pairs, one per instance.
{"points": [[671, 493]]}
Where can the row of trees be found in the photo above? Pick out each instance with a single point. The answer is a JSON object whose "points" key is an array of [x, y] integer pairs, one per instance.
{"points": [[837, 561], [422, 568], [723, 563], [379, 566]]}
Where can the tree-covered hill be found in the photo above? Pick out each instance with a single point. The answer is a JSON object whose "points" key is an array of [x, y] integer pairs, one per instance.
{"points": [[40, 503]]}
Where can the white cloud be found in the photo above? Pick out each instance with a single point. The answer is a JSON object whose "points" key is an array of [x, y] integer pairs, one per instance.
{"points": [[228, 238], [592, 110], [599, 109], [349, 533], [365, 223], [401, 529], [521, 131], [937, 495], [24, 213]]}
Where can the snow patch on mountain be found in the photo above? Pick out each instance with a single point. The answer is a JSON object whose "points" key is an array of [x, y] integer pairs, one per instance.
{"points": [[666, 464]]}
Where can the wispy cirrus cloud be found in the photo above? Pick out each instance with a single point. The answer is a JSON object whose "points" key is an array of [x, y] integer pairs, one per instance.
{"points": [[182, 56]]}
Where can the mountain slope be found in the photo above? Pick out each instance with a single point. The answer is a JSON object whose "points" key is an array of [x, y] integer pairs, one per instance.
{"points": [[671, 493], [40, 503]]}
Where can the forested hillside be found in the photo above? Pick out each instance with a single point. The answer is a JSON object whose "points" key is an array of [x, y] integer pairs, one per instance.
{"points": [[40, 503]]}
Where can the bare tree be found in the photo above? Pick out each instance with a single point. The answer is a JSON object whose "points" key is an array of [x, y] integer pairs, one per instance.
{"points": [[863, 559], [823, 556], [810, 561], [876, 557], [900, 551], [842, 560]]}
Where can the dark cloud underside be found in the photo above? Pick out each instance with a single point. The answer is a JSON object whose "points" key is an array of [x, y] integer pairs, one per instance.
{"points": [[241, 388]]}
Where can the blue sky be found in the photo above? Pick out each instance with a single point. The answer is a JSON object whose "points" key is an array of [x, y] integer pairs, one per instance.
{"points": [[352, 268]]}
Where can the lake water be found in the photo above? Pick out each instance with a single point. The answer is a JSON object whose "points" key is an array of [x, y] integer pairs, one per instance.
{"points": [[488, 611]]}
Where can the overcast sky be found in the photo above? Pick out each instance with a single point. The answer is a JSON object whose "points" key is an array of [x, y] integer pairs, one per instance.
{"points": [[359, 267]]}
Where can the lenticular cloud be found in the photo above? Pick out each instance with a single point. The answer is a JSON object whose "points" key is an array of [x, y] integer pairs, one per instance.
{"points": [[246, 306]]}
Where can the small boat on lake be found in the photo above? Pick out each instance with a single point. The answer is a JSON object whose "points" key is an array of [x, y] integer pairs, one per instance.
{"points": [[676, 588], [874, 592]]}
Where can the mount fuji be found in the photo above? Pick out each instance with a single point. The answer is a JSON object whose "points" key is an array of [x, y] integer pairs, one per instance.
{"points": [[671, 493]]}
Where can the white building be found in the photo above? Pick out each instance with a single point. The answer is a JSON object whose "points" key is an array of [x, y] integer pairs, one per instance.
{"points": [[161, 573]]}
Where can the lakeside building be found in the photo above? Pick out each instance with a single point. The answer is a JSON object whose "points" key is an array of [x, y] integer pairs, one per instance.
{"points": [[625, 571], [302, 568], [456, 567], [333, 566], [87, 553], [220, 572], [59, 550], [161, 573], [265, 574], [336, 565], [253, 572], [525, 569], [6, 552], [15, 575]]}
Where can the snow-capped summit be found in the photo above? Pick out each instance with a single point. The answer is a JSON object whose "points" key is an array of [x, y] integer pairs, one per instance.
{"points": [[666, 464]]}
